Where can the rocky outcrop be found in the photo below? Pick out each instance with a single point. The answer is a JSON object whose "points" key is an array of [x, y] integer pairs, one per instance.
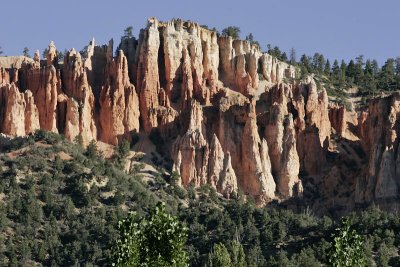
{"points": [[190, 152], [203, 56], [379, 131], [314, 128], [45, 83], [256, 177], [19, 115], [228, 114], [343, 121], [119, 104], [148, 83], [242, 63], [80, 103], [220, 171]]}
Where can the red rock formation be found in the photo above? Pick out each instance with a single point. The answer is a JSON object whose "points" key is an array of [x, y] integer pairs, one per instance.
{"points": [[19, 115], [256, 177], [79, 113], [242, 122], [190, 152], [220, 171], [119, 104], [380, 137], [45, 83], [148, 75]]}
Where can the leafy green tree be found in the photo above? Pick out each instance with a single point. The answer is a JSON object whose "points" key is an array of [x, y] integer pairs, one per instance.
{"points": [[219, 256], [126, 247], [347, 247], [232, 31], [1, 50], [158, 240]]}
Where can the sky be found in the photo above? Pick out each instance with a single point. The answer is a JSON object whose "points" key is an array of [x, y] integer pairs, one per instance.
{"points": [[339, 29]]}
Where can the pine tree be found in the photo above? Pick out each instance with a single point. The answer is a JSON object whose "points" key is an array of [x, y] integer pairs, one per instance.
{"points": [[26, 52], [292, 56], [327, 69], [219, 256], [128, 32], [232, 31], [237, 254]]}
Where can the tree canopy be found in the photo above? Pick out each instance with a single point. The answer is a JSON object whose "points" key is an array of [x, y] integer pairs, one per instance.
{"points": [[232, 31]]}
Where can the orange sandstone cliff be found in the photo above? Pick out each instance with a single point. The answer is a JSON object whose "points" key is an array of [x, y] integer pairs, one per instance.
{"points": [[226, 114]]}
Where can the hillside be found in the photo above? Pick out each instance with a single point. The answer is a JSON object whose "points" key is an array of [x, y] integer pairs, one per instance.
{"points": [[60, 204]]}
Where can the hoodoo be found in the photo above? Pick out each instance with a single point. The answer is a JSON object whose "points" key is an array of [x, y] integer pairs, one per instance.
{"points": [[226, 113]]}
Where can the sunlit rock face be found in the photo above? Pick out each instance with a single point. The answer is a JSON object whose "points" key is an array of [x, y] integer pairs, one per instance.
{"points": [[229, 115]]}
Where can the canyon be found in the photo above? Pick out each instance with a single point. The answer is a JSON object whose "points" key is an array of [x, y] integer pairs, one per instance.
{"points": [[223, 112]]}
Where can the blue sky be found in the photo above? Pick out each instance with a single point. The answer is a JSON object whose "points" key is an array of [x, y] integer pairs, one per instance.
{"points": [[337, 29]]}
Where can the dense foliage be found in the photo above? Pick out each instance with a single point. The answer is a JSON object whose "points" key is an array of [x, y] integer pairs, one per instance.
{"points": [[60, 206], [156, 241], [347, 247]]}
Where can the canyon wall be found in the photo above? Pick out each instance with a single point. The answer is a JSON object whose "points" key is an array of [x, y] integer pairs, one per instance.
{"points": [[228, 114]]}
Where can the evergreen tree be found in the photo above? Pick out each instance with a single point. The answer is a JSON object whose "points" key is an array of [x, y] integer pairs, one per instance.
{"points": [[358, 69], [305, 62], [318, 63], [25, 52], [91, 150], [219, 256], [336, 70], [375, 67], [387, 75], [237, 255], [368, 68], [327, 69], [292, 56], [128, 32], [351, 70], [232, 31], [343, 67], [284, 57], [397, 65], [250, 38]]}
